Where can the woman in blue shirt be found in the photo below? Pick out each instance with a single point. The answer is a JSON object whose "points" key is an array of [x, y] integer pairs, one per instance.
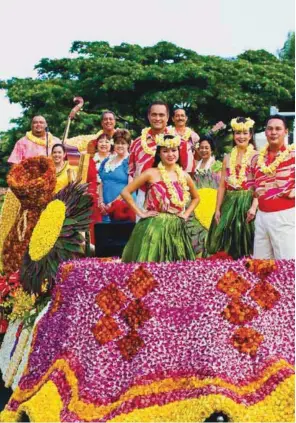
{"points": [[114, 177]]}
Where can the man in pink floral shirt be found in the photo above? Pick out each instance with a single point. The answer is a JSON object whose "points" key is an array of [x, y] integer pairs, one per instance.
{"points": [[34, 142]]}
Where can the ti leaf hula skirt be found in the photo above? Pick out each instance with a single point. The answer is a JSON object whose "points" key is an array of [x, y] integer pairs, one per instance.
{"points": [[162, 238], [233, 235]]}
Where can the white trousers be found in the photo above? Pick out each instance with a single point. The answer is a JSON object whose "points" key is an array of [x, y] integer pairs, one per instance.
{"points": [[275, 235], [140, 200]]}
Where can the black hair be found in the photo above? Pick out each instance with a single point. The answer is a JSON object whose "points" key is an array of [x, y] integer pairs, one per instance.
{"points": [[59, 145], [157, 158], [158, 103], [280, 117], [251, 130], [209, 139]]}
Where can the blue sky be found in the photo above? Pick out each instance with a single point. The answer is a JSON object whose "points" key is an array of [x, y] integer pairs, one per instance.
{"points": [[31, 30]]}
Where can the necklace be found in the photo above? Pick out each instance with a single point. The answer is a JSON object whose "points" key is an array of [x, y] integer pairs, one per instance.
{"points": [[279, 159], [186, 135], [234, 180], [144, 145], [39, 141], [110, 166], [171, 188]]}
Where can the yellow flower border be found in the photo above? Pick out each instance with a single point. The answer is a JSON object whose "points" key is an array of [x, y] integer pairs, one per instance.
{"points": [[266, 410], [39, 141], [233, 179], [47, 230], [170, 187], [242, 126], [10, 210], [274, 165]]}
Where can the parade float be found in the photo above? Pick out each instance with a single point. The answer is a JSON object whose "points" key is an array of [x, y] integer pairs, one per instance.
{"points": [[99, 340]]}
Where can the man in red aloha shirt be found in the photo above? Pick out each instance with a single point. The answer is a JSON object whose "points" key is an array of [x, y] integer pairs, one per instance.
{"points": [[274, 179], [143, 148]]}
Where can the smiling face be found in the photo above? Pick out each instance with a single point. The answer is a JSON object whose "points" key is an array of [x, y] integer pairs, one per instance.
{"points": [[108, 122], [242, 138], [58, 155], [180, 118], [38, 126], [121, 147], [169, 156], [275, 133], [158, 117], [205, 150], [104, 145]]}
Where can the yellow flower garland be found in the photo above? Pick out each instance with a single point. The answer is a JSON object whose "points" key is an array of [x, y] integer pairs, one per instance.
{"points": [[144, 145], [273, 166], [233, 179], [47, 230], [170, 187], [206, 207], [39, 141], [187, 134]]}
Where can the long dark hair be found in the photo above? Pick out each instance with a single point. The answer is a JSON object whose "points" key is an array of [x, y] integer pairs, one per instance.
{"points": [[251, 130]]}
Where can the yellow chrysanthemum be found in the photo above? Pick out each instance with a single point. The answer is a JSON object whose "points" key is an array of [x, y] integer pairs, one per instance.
{"points": [[47, 230], [206, 207], [8, 217]]}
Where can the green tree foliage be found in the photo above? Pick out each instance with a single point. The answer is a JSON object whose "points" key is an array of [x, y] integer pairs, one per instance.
{"points": [[288, 51], [126, 78]]}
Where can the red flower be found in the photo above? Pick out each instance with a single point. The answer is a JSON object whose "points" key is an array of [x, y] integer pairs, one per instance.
{"points": [[220, 255]]}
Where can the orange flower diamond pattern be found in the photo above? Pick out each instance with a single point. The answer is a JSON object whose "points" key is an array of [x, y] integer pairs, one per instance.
{"points": [[106, 330], [136, 314], [239, 313], [262, 268], [110, 299], [232, 284], [247, 340], [265, 295], [130, 345], [141, 282]]}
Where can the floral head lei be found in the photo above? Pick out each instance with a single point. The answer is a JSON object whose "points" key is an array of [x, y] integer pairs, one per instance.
{"points": [[242, 126], [165, 140]]}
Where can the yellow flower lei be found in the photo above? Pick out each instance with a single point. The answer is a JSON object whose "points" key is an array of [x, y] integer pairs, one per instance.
{"points": [[233, 179], [144, 145], [280, 159], [47, 230], [39, 141], [187, 134], [170, 186]]}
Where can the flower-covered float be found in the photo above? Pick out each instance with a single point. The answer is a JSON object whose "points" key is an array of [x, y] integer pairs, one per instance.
{"points": [[143, 342], [162, 342]]}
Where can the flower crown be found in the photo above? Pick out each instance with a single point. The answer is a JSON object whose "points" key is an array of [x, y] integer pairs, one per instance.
{"points": [[242, 126], [162, 140]]}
